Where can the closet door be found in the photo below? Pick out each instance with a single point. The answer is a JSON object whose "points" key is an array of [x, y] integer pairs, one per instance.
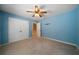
{"points": [[18, 29]]}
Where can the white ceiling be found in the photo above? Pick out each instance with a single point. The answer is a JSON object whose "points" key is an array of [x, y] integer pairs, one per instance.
{"points": [[20, 9]]}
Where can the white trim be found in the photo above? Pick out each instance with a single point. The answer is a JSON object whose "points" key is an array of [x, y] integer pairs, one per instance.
{"points": [[10, 42], [69, 43], [5, 44], [77, 46]]}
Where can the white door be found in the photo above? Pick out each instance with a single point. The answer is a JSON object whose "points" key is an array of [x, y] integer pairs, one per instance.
{"points": [[18, 29]]}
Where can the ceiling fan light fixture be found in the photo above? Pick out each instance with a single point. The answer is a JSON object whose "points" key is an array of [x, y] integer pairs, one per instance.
{"points": [[38, 12], [36, 15]]}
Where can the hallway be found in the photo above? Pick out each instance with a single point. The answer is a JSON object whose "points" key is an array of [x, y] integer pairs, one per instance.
{"points": [[38, 46]]}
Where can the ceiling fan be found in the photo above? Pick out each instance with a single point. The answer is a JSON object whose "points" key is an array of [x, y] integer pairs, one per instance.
{"points": [[38, 11]]}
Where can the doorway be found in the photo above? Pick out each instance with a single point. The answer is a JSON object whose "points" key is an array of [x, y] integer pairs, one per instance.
{"points": [[36, 30]]}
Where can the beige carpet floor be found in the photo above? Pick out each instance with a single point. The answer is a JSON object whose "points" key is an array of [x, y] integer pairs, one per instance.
{"points": [[38, 46]]}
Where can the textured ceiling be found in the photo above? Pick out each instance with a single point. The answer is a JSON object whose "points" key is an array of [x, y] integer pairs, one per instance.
{"points": [[20, 9]]}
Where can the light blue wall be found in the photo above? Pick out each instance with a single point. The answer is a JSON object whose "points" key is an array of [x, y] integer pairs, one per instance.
{"points": [[4, 25], [61, 27]]}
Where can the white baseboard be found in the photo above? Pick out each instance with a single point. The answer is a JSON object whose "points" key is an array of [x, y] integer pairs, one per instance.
{"points": [[69, 43], [77, 46], [10, 42], [53, 40], [5, 44]]}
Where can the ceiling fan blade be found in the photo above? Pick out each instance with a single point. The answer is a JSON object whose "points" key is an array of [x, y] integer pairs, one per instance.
{"points": [[30, 11], [44, 12]]}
